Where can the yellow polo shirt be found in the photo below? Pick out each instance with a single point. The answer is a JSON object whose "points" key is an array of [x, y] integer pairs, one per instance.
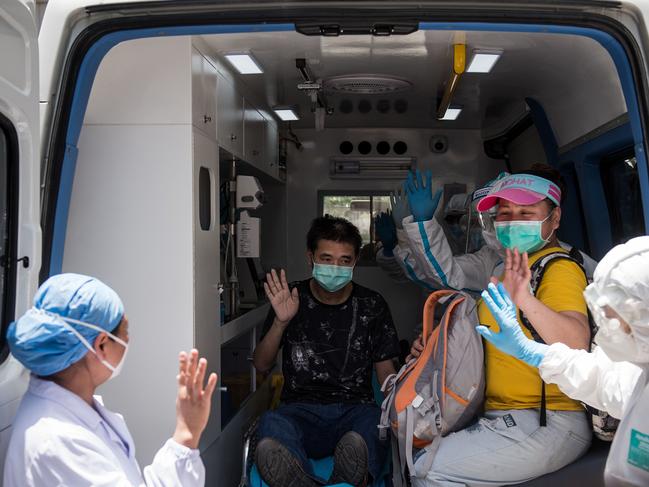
{"points": [[511, 383]]}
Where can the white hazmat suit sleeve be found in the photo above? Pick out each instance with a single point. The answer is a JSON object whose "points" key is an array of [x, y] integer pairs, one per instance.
{"points": [[436, 261], [592, 378], [402, 267], [398, 269], [390, 265]]}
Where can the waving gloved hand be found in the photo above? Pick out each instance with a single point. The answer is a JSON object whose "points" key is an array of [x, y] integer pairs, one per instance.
{"points": [[399, 205], [420, 197], [386, 232], [511, 338]]}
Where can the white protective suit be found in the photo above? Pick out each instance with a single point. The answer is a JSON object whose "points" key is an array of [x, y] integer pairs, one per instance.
{"points": [[58, 439], [436, 265], [602, 378], [401, 266]]}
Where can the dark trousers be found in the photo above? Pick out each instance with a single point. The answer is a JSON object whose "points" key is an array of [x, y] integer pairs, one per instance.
{"points": [[313, 430]]}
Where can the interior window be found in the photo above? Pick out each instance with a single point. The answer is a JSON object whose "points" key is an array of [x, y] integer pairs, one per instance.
{"points": [[622, 189], [360, 209]]}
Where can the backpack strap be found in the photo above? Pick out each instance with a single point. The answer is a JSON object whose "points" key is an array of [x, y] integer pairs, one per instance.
{"points": [[538, 271], [428, 321], [398, 473], [389, 392]]}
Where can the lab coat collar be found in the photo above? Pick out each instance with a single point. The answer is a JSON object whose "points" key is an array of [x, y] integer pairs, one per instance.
{"points": [[116, 427], [69, 400], [93, 418]]}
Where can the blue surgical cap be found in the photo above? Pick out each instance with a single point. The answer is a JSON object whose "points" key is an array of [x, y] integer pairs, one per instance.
{"points": [[43, 342]]}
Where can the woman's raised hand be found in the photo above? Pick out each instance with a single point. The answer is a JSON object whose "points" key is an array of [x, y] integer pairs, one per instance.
{"points": [[517, 276], [193, 402]]}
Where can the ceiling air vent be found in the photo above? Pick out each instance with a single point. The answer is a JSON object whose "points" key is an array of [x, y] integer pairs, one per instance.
{"points": [[370, 167], [366, 84]]}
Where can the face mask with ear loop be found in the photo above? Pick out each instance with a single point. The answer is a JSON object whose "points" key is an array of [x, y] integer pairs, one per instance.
{"points": [[524, 235], [332, 277], [115, 369]]}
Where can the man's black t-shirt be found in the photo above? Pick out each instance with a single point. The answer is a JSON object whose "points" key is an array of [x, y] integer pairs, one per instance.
{"points": [[329, 350]]}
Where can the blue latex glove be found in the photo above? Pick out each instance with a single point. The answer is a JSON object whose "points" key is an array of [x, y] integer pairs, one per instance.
{"points": [[399, 205], [420, 197], [511, 338], [386, 232]]}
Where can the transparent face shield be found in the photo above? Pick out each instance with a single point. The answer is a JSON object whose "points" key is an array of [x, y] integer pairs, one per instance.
{"points": [[628, 342], [486, 220]]}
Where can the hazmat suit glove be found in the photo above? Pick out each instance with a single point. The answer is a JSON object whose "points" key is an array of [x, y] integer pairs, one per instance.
{"points": [[511, 338], [399, 205], [386, 232], [420, 196]]}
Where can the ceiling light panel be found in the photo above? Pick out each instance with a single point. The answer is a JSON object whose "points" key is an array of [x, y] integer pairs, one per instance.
{"points": [[286, 114], [451, 113], [482, 62], [244, 63]]}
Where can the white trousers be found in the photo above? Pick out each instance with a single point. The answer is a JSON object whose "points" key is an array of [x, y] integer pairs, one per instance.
{"points": [[505, 447]]}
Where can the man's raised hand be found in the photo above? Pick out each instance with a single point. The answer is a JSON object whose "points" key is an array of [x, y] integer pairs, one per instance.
{"points": [[284, 301]]}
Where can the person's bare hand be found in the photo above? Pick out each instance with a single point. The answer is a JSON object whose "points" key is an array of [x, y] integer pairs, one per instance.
{"points": [[284, 301], [416, 349], [193, 402], [517, 276]]}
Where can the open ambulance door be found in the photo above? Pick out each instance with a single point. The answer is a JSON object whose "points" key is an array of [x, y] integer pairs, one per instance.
{"points": [[20, 234]]}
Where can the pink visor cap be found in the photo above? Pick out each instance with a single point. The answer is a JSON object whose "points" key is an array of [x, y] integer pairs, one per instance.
{"points": [[521, 189]]}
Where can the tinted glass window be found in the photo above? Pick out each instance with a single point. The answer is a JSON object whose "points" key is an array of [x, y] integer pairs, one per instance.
{"points": [[573, 226], [622, 189], [8, 189]]}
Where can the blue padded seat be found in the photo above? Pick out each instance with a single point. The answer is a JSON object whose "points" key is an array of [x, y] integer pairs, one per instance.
{"points": [[322, 468]]}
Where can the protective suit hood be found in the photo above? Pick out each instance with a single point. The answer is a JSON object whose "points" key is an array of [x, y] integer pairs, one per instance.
{"points": [[621, 282]]}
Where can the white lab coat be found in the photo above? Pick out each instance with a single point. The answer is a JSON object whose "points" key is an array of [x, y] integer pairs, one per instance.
{"points": [[438, 267], [60, 440], [619, 388]]}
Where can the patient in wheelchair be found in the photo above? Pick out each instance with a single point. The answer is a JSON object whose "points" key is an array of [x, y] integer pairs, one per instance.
{"points": [[333, 334]]}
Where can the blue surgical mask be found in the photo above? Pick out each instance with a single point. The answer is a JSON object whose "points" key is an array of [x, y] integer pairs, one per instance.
{"points": [[332, 277], [526, 236]]}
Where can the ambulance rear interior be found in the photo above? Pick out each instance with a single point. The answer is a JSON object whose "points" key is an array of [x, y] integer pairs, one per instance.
{"points": [[172, 130]]}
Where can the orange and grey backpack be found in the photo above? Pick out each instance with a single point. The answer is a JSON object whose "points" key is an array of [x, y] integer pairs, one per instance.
{"points": [[442, 390]]}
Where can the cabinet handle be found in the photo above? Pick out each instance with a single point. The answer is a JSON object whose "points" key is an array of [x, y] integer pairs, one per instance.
{"points": [[233, 137], [207, 119]]}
